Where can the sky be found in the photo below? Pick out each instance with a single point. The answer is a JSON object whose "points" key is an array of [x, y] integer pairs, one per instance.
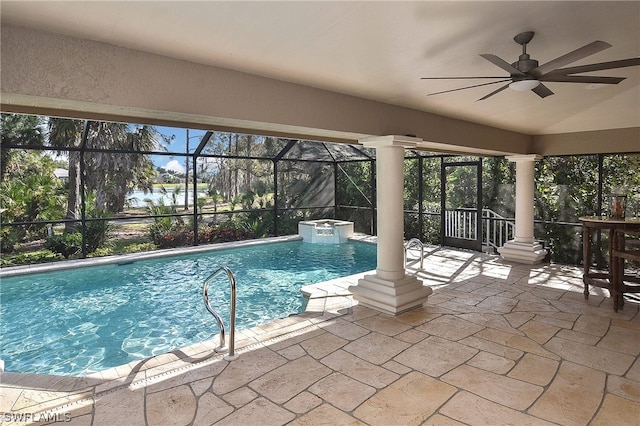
{"points": [[178, 144]]}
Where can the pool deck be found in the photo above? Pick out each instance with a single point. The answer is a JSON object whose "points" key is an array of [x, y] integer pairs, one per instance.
{"points": [[496, 343]]}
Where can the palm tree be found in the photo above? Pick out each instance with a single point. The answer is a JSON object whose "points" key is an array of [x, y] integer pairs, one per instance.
{"points": [[65, 134], [29, 192], [216, 197], [113, 175], [110, 176]]}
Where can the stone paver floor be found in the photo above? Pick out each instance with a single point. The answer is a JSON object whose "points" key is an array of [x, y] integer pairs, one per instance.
{"points": [[495, 344]]}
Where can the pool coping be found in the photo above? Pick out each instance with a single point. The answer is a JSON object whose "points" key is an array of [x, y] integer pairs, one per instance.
{"points": [[12, 271]]}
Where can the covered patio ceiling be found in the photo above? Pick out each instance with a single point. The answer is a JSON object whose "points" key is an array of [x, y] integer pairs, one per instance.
{"points": [[370, 51]]}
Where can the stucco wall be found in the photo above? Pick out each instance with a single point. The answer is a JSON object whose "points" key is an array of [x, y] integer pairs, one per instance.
{"points": [[50, 74], [598, 142], [57, 75]]}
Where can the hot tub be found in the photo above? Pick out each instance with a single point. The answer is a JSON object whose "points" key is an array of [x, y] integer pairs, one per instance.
{"points": [[325, 231]]}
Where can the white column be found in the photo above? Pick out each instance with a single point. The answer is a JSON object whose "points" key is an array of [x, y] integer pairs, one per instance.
{"points": [[390, 290], [523, 248]]}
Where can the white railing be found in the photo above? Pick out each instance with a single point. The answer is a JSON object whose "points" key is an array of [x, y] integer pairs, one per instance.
{"points": [[497, 229], [461, 223]]}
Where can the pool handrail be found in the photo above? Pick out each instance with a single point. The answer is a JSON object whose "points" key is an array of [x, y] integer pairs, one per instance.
{"points": [[232, 314], [415, 242]]}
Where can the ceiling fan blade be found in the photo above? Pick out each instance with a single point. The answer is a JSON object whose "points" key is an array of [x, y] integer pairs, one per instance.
{"points": [[570, 57], [561, 78], [542, 91], [458, 78], [599, 66], [494, 92], [495, 60], [468, 87]]}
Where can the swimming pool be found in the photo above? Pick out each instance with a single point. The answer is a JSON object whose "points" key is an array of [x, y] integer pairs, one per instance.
{"points": [[93, 318]]}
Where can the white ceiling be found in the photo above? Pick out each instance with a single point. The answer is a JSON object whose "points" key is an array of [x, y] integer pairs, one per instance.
{"points": [[379, 50]]}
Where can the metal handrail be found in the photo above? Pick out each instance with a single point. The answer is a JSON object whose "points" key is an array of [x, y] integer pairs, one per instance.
{"points": [[414, 242], [232, 315]]}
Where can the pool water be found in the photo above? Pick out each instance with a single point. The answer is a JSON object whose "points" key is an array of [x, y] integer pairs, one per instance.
{"points": [[93, 318]]}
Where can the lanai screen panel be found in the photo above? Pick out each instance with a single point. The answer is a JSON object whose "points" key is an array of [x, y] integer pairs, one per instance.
{"points": [[621, 175], [355, 194], [341, 152], [243, 145], [305, 184], [306, 150], [566, 188], [307, 175], [498, 186]]}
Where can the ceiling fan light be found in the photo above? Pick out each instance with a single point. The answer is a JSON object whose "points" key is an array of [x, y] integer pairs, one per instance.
{"points": [[524, 85]]}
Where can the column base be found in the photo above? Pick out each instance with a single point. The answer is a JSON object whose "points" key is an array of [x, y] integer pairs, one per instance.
{"points": [[529, 253], [392, 297]]}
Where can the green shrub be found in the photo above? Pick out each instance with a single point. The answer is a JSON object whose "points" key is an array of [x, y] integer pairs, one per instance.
{"points": [[103, 251], [177, 237], [135, 248], [10, 237], [40, 256], [65, 244], [228, 231], [97, 233], [167, 231]]}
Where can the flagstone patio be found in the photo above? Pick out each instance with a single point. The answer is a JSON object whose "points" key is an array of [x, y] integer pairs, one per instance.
{"points": [[496, 343]]}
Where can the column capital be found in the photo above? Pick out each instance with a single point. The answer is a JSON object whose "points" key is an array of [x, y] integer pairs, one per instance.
{"points": [[524, 157], [390, 140]]}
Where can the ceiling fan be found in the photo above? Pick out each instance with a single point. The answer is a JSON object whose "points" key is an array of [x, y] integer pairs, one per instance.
{"points": [[526, 74]]}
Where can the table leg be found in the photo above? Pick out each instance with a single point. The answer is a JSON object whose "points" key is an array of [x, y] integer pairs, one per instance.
{"points": [[586, 257], [618, 273], [614, 270]]}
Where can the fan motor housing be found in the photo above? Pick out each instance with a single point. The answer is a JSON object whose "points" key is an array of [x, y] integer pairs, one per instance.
{"points": [[525, 63]]}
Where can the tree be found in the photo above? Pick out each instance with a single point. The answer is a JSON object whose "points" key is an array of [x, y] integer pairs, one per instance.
{"points": [[65, 134], [498, 186], [16, 129], [112, 175], [216, 197], [29, 193], [622, 176]]}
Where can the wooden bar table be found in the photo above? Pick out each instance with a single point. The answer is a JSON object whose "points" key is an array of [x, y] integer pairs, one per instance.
{"points": [[590, 224], [622, 252]]}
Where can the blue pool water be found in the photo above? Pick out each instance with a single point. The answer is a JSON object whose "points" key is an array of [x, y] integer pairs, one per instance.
{"points": [[90, 319]]}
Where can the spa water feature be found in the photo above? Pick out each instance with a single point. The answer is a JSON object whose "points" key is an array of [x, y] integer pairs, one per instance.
{"points": [[325, 231]]}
